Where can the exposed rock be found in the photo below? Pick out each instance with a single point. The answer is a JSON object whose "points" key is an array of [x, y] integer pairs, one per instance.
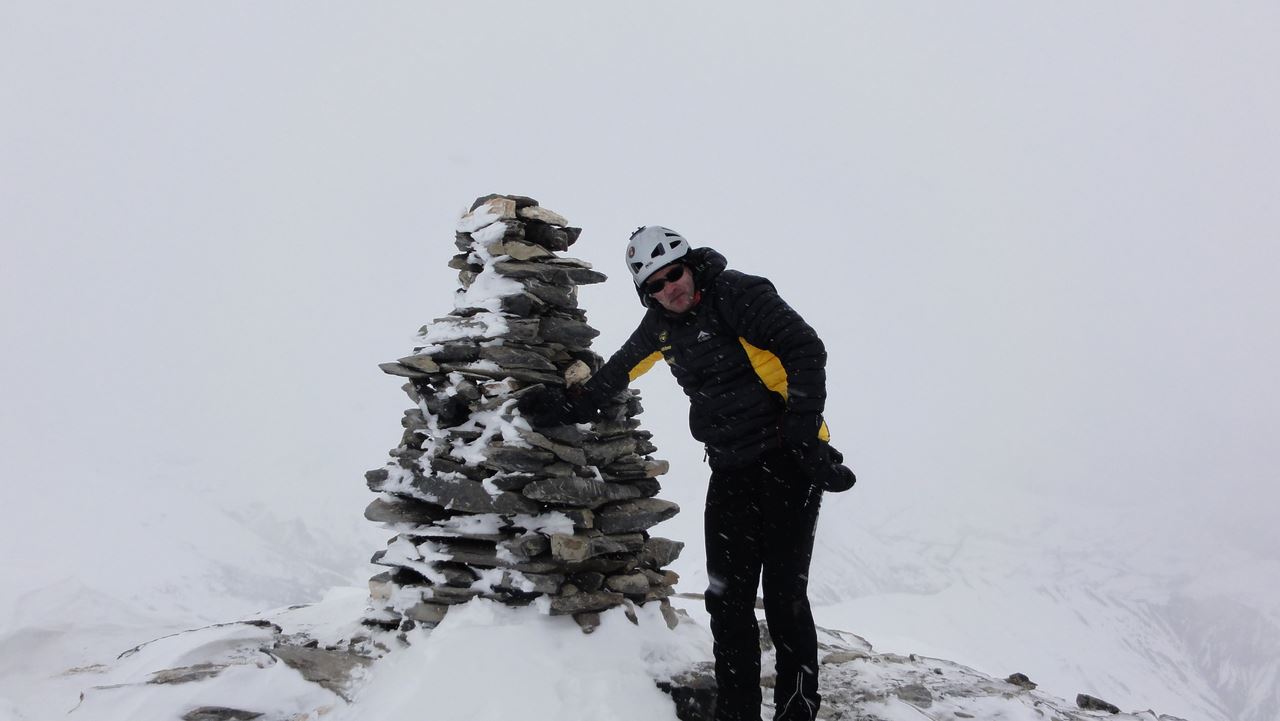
{"points": [[219, 713], [581, 492], [633, 584], [1092, 703], [471, 496], [1020, 679], [694, 693], [634, 515], [187, 674], [330, 669], [580, 602], [659, 552]]}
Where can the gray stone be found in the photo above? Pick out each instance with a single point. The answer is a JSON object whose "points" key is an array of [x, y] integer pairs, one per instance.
{"points": [[694, 692], [602, 453], [632, 584], [556, 295], [915, 694], [836, 658], [330, 669], [403, 510], [488, 557], [634, 515], [660, 552], [1093, 703], [588, 580], [471, 496], [514, 459], [568, 454], [448, 595], [1021, 680], [548, 583], [588, 621], [581, 492], [403, 371], [486, 374], [524, 330], [187, 674], [583, 602], [219, 713], [572, 333]]}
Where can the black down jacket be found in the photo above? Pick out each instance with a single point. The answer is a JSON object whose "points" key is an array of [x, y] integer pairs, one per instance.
{"points": [[742, 356]]}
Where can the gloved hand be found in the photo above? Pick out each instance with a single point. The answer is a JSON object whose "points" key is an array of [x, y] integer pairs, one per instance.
{"points": [[825, 468], [800, 431], [544, 405], [552, 406]]}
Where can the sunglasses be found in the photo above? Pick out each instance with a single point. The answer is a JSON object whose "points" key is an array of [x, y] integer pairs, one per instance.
{"points": [[654, 287]]}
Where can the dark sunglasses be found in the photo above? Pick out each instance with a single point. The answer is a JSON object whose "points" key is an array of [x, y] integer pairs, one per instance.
{"points": [[654, 287]]}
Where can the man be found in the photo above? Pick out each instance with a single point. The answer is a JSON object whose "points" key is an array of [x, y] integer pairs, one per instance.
{"points": [[755, 376]]}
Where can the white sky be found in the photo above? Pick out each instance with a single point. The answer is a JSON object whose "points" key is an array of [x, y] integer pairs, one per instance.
{"points": [[1041, 241]]}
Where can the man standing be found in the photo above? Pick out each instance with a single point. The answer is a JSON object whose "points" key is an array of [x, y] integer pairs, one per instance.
{"points": [[755, 376]]}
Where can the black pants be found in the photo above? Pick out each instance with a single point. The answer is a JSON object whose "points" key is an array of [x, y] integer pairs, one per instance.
{"points": [[761, 519]]}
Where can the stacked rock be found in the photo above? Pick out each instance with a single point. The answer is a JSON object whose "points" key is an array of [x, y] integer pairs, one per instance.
{"points": [[484, 503]]}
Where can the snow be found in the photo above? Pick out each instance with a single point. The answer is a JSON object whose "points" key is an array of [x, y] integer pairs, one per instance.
{"points": [[480, 325], [487, 660]]}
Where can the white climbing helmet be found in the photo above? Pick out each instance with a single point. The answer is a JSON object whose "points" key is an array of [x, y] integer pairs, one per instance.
{"points": [[651, 247]]}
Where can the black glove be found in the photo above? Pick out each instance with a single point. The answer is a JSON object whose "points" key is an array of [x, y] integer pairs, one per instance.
{"points": [[800, 431], [552, 406], [544, 405], [825, 467]]}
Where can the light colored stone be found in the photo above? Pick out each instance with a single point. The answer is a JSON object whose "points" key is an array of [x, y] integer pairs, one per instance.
{"points": [[537, 212]]}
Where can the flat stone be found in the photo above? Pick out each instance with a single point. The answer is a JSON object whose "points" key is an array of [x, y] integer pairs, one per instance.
{"points": [[560, 296], [219, 713], [602, 453], [836, 658], [402, 371], [588, 580], [584, 602], [633, 584], [1093, 703], [580, 492], [330, 669], [187, 674], [509, 357], [514, 459], [520, 251], [661, 552], [553, 274], [567, 453], [571, 333], [588, 621], [423, 363], [403, 510], [634, 515], [471, 496], [543, 215], [565, 547], [520, 374]]}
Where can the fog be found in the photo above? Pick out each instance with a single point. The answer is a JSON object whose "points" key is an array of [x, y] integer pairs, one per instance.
{"points": [[1040, 242]]}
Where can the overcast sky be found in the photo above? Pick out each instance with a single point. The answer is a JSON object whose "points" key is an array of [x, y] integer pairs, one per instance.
{"points": [[1040, 240]]}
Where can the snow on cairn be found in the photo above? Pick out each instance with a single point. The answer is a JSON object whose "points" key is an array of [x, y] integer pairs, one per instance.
{"points": [[483, 504]]}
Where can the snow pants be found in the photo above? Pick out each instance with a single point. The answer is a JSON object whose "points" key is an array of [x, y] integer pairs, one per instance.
{"points": [[760, 519]]}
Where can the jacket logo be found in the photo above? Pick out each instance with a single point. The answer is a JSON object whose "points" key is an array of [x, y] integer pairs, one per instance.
{"points": [[703, 335], [662, 337]]}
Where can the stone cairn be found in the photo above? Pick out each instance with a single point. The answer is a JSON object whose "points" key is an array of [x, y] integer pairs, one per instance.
{"points": [[484, 504]]}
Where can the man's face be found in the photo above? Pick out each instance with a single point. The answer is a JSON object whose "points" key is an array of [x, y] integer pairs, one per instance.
{"points": [[674, 285]]}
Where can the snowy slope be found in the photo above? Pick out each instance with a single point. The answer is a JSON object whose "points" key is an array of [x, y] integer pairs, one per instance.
{"points": [[1070, 597]]}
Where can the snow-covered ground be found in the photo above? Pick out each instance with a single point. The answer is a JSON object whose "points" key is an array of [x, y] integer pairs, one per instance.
{"points": [[1075, 604]]}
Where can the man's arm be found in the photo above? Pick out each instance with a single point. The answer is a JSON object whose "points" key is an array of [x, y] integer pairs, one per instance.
{"points": [[764, 320], [577, 404]]}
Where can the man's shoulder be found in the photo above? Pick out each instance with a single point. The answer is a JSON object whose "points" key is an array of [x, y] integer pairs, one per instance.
{"points": [[732, 281]]}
